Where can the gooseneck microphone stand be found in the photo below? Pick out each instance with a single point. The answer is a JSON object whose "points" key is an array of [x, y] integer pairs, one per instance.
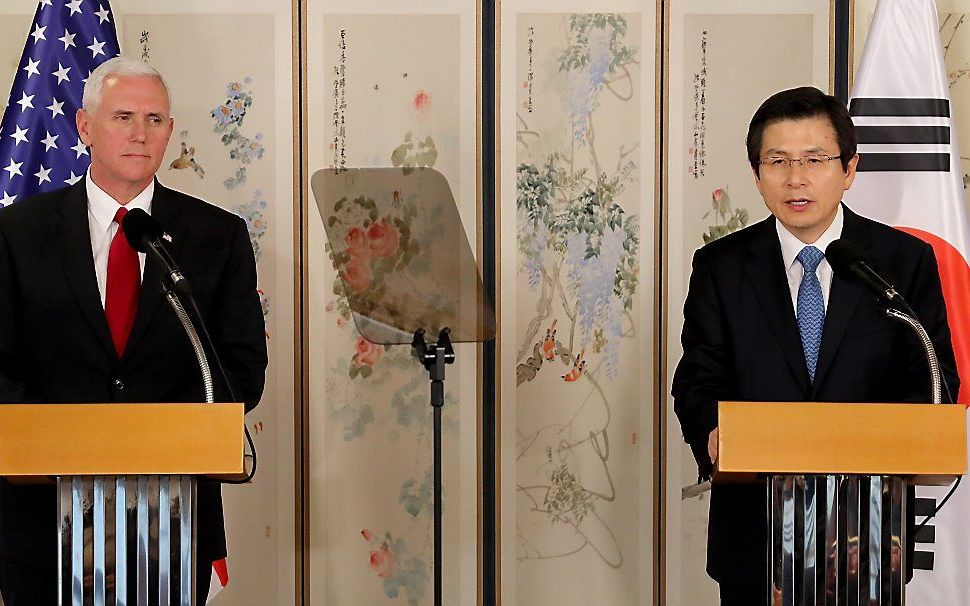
{"points": [[168, 289], [924, 338], [176, 304], [147, 236], [434, 357]]}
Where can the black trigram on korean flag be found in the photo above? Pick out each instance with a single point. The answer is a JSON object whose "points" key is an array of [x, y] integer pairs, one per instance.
{"points": [[898, 134], [923, 557]]}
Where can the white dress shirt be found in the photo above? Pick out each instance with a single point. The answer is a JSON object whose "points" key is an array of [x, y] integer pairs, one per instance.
{"points": [[791, 246], [101, 214]]}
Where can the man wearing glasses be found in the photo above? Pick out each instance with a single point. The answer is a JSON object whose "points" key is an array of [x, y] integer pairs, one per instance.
{"points": [[766, 320]]}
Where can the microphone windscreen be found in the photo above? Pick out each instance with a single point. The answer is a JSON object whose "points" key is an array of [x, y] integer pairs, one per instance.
{"points": [[140, 229], [842, 255]]}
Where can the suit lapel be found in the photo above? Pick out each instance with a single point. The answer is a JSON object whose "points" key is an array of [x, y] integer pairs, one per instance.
{"points": [[765, 271], [74, 248], [844, 299], [166, 212]]}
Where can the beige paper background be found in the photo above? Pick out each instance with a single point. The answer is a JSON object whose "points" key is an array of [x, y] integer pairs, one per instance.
{"points": [[15, 25], [546, 422], [753, 51], [199, 49], [371, 437]]}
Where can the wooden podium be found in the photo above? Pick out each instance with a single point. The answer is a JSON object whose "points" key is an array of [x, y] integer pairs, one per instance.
{"points": [[126, 490], [837, 482]]}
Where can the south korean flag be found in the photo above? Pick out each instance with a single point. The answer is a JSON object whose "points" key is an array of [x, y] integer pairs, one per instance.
{"points": [[910, 176], [902, 134]]}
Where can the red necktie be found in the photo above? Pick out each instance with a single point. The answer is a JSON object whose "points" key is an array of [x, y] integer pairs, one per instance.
{"points": [[123, 284]]}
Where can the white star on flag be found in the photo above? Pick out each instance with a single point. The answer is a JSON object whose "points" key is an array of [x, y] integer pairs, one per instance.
{"points": [[39, 33], [59, 68], [49, 141], [80, 149], [67, 39], [25, 102], [56, 107], [61, 73], [96, 49], [43, 175], [75, 6], [14, 168], [21, 135], [31, 68]]}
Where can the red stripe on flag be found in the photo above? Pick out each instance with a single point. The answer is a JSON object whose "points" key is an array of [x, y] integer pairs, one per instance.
{"points": [[955, 277], [222, 571]]}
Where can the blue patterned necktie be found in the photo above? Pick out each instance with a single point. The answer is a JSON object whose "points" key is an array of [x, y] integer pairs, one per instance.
{"points": [[811, 307]]}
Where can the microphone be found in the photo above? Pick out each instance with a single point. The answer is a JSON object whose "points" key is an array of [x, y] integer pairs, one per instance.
{"points": [[146, 235], [849, 262]]}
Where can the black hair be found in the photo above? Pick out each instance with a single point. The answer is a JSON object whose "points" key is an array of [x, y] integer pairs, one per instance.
{"points": [[799, 104]]}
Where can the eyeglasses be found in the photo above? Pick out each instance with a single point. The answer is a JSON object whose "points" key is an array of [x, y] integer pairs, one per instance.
{"points": [[812, 164]]}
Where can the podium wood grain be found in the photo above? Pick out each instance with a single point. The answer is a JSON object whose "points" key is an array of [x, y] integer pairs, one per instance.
{"points": [[927, 442], [120, 439]]}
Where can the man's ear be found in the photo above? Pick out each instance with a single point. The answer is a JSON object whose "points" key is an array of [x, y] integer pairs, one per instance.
{"points": [[757, 181], [850, 171], [83, 121]]}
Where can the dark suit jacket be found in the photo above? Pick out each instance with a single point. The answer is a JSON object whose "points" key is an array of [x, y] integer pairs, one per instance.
{"points": [[741, 342], [55, 345]]}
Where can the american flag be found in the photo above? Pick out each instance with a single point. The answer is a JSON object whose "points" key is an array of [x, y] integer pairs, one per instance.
{"points": [[39, 146]]}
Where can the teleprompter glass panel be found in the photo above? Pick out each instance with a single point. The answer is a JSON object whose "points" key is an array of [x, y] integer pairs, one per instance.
{"points": [[398, 244]]}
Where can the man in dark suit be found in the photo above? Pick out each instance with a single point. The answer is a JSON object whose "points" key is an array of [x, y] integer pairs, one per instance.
{"points": [[81, 313], [766, 320]]}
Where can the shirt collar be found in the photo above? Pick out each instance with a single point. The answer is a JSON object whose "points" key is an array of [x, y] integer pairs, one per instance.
{"points": [[103, 207], [791, 246]]}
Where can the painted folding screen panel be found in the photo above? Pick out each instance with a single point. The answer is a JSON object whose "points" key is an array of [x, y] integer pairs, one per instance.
{"points": [[232, 146], [725, 58], [578, 114], [387, 87]]}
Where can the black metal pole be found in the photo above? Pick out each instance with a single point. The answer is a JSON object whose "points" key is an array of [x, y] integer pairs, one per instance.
{"points": [[437, 505], [843, 54], [437, 403], [434, 357]]}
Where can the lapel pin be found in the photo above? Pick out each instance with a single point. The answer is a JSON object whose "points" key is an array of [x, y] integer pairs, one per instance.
{"points": [[167, 237]]}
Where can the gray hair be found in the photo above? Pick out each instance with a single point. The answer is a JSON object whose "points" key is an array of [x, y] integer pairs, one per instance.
{"points": [[118, 66]]}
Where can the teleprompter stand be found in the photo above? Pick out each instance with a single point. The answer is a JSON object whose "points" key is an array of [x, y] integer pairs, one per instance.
{"points": [[398, 245], [434, 357]]}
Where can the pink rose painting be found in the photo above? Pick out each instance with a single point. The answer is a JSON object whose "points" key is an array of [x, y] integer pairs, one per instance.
{"points": [[399, 573], [383, 238], [356, 239], [367, 354], [382, 558], [382, 561], [422, 101], [717, 196], [357, 274]]}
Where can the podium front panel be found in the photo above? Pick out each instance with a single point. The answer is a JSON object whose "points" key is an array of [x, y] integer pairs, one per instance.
{"points": [[836, 540], [120, 439], [126, 540], [924, 440]]}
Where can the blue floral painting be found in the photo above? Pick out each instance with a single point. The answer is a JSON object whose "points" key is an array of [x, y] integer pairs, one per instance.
{"points": [[577, 187], [228, 117]]}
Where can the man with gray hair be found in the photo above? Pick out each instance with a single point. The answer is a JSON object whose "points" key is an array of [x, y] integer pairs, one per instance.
{"points": [[80, 312]]}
